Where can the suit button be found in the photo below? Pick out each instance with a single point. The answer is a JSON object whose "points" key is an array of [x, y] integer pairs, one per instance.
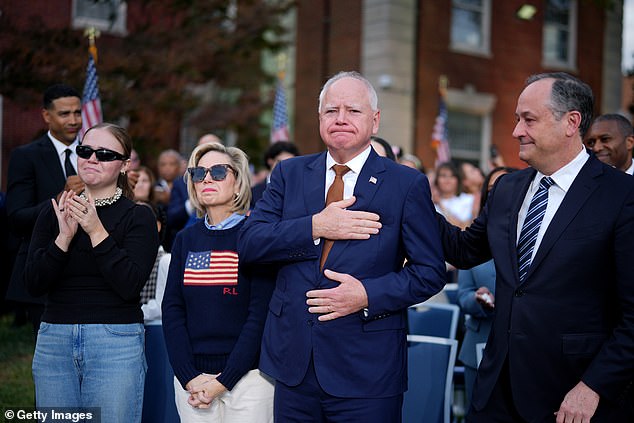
{"points": [[309, 322], [519, 292]]}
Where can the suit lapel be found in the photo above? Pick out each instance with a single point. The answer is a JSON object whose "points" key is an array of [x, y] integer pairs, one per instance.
{"points": [[369, 181], [50, 161], [579, 192], [521, 187], [315, 184]]}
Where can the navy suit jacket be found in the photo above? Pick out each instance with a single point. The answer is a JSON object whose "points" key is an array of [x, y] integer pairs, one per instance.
{"points": [[354, 356], [35, 176], [573, 317]]}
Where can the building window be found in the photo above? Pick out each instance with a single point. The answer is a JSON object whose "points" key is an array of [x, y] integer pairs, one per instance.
{"points": [[469, 125], [104, 15], [471, 26], [465, 135], [560, 34]]}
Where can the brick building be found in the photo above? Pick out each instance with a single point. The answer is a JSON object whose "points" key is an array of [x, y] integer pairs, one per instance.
{"points": [[484, 48]]}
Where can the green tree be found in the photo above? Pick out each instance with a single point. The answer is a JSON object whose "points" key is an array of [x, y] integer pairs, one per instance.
{"points": [[197, 60]]}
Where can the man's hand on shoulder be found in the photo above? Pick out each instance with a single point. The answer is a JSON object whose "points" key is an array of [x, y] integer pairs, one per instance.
{"points": [[335, 222]]}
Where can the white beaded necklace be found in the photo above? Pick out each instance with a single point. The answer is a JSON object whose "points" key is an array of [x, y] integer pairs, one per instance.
{"points": [[100, 202]]}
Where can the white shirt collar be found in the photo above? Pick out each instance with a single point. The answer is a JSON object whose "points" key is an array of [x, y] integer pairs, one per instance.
{"points": [[61, 147], [630, 170], [565, 176], [355, 165]]}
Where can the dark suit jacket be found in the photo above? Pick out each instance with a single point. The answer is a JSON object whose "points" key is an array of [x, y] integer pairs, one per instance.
{"points": [[573, 317], [256, 192], [177, 215], [353, 356], [35, 176]]}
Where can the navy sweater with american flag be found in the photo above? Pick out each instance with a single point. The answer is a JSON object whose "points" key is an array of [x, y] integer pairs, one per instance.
{"points": [[213, 309]]}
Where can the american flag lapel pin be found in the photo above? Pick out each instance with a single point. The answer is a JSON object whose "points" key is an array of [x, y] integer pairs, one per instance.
{"points": [[372, 180]]}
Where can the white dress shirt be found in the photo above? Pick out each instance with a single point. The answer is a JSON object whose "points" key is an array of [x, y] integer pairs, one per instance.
{"points": [[349, 179], [61, 152], [563, 178]]}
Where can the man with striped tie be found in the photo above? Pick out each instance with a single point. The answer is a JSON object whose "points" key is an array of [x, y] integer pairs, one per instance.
{"points": [[560, 232], [38, 172]]}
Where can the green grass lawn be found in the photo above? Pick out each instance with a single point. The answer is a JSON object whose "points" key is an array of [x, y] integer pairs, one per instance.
{"points": [[16, 354]]}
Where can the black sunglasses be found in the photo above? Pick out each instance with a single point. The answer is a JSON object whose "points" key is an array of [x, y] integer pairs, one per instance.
{"points": [[218, 172], [102, 154]]}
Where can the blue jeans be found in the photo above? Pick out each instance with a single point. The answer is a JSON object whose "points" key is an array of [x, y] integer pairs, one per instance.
{"points": [[91, 365]]}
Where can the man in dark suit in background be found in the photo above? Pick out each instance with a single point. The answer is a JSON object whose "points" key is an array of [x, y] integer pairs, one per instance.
{"points": [[335, 339], [611, 139], [278, 151], [562, 342], [39, 171]]}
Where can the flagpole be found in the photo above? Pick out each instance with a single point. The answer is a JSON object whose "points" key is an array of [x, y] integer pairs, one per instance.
{"points": [[281, 66], [443, 81], [91, 112], [92, 34]]}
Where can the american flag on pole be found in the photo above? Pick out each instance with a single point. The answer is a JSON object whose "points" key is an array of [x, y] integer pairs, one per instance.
{"points": [[211, 268], [90, 102], [279, 130], [440, 139]]}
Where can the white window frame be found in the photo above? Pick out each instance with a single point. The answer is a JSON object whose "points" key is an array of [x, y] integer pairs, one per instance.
{"points": [[485, 31], [118, 27], [571, 61], [479, 104]]}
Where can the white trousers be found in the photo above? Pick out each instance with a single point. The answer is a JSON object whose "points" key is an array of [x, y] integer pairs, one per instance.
{"points": [[250, 401]]}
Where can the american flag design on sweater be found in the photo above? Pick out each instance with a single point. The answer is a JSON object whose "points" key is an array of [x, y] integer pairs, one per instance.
{"points": [[210, 268]]}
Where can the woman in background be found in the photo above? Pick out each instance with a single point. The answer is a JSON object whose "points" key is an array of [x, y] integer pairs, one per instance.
{"points": [[214, 308], [144, 188], [456, 206], [472, 179], [92, 252], [158, 399]]}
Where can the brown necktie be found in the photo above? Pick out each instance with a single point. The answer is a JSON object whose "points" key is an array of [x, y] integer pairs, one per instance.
{"points": [[335, 193]]}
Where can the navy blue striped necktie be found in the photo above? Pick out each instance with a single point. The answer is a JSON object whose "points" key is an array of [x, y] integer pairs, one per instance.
{"points": [[530, 228]]}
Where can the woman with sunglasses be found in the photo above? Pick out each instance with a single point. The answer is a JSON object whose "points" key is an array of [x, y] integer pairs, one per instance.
{"points": [[92, 252], [214, 308]]}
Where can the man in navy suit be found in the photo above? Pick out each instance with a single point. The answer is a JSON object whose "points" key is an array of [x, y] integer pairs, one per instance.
{"points": [[335, 339], [562, 342], [37, 173]]}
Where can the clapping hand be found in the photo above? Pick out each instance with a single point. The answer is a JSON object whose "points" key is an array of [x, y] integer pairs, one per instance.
{"points": [[67, 225]]}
